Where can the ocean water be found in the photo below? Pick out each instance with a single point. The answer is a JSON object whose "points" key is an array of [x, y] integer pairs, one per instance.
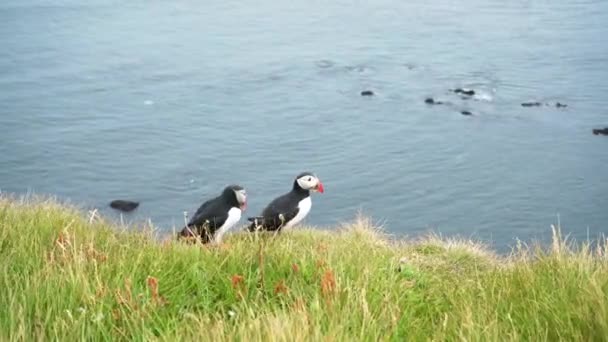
{"points": [[166, 102]]}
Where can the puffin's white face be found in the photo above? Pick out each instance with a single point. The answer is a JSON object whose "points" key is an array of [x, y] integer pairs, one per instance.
{"points": [[241, 197], [310, 182]]}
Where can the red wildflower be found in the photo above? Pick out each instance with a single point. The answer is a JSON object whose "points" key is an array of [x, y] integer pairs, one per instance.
{"points": [[237, 280], [237, 284], [62, 241], [153, 285], [328, 283], [280, 288]]}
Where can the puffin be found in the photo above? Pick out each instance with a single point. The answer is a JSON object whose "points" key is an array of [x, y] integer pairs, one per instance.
{"points": [[217, 215], [288, 209]]}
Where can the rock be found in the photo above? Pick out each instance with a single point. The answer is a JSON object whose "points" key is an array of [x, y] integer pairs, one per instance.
{"points": [[538, 104], [466, 112], [600, 131], [324, 63], [362, 69], [124, 205], [531, 104], [367, 93], [431, 101], [463, 91]]}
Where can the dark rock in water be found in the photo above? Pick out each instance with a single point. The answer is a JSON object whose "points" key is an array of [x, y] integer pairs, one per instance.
{"points": [[467, 92], [358, 68], [324, 63], [367, 93], [431, 101], [466, 112], [600, 131], [538, 104], [531, 104], [123, 205]]}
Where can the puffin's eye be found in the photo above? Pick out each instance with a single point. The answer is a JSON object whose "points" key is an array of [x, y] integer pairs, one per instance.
{"points": [[309, 179]]}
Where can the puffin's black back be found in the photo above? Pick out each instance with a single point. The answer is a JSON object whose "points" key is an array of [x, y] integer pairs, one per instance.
{"points": [[211, 215], [286, 204]]}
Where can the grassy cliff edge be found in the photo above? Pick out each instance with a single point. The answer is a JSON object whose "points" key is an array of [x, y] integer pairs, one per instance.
{"points": [[66, 276]]}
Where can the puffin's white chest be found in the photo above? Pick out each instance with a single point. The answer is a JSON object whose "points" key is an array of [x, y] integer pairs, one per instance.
{"points": [[234, 215], [304, 207]]}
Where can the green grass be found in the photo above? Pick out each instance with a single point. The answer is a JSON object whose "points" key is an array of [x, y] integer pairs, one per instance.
{"points": [[66, 277]]}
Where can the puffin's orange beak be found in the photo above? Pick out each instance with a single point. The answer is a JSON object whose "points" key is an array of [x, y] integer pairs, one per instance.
{"points": [[319, 187], [244, 205]]}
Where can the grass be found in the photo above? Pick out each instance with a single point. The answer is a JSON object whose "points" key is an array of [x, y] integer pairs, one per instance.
{"points": [[65, 277]]}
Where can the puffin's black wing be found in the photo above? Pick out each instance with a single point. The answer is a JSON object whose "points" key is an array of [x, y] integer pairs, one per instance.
{"points": [[274, 222], [212, 221], [209, 217], [201, 213], [280, 211]]}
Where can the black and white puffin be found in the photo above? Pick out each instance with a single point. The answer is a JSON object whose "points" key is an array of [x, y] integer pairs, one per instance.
{"points": [[216, 216], [289, 209]]}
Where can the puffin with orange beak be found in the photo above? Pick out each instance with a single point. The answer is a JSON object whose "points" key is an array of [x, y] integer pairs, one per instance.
{"points": [[291, 208]]}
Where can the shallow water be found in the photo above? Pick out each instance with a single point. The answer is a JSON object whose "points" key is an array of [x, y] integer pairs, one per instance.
{"points": [[167, 102]]}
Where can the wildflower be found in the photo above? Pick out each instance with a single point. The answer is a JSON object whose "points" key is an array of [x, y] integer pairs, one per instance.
{"points": [[237, 284], [280, 288], [237, 280], [328, 283], [62, 241], [153, 285], [295, 268]]}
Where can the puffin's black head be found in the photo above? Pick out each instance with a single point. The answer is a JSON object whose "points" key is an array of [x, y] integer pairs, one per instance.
{"points": [[308, 181], [236, 196]]}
